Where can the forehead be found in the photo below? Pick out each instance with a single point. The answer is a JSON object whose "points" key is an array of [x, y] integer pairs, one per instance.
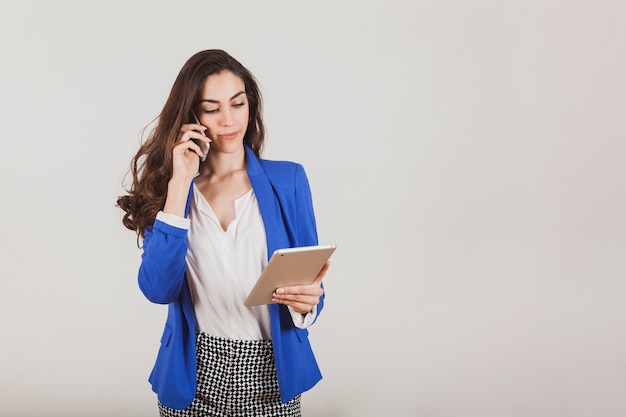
{"points": [[221, 86]]}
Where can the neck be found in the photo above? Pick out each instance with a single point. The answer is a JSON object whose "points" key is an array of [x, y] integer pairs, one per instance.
{"points": [[222, 164]]}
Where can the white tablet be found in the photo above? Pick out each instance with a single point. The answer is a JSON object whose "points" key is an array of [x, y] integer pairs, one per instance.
{"points": [[287, 267]]}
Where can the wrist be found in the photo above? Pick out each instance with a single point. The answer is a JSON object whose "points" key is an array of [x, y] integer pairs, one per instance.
{"points": [[177, 193], [179, 180]]}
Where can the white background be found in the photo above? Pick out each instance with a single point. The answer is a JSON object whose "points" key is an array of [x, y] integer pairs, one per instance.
{"points": [[467, 157]]}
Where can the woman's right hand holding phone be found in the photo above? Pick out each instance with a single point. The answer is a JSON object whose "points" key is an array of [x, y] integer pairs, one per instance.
{"points": [[188, 152], [186, 156]]}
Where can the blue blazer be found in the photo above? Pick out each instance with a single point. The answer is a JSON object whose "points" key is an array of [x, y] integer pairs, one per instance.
{"points": [[284, 197]]}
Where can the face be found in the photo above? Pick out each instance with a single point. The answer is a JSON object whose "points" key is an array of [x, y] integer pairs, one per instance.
{"points": [[223, 108]]}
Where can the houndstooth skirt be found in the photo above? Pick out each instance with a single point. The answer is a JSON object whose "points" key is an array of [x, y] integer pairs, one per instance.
{"points": [[235, 378]]}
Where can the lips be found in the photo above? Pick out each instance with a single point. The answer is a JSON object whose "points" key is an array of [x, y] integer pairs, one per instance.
{"points": [[228, 136]]}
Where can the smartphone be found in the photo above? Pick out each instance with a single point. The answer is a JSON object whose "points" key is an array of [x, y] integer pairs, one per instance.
{"points": [[204, 146]]}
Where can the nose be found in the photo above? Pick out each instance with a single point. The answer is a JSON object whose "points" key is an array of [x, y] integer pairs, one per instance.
{"points": [[227, 117]]}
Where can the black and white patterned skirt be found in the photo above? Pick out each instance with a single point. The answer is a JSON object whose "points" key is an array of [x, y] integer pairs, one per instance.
{"points": [[235, 378]]}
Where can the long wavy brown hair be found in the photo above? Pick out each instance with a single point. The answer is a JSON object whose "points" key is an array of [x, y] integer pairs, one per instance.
{"points": [[151, 167]]}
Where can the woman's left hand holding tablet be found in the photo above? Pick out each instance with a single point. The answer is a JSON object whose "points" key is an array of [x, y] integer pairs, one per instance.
{"points": [[302, 298]]}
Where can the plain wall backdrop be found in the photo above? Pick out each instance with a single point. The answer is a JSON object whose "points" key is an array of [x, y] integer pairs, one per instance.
{"points": [[467, 157]]}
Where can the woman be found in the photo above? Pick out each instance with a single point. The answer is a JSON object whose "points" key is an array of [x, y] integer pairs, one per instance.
{"points": [[208, 226]]}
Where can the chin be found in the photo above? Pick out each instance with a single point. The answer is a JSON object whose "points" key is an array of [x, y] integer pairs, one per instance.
{"points": [[231, 147]]}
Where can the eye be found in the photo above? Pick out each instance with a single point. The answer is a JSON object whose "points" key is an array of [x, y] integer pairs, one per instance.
{"points": [[211, 111], [237, 105]]}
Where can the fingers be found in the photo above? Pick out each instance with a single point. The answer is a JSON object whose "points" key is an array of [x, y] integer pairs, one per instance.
{"points": [[300, 297], [302, 304], [309, 294], [193, 127], [194, 131], [189, 145], [191, 137]]}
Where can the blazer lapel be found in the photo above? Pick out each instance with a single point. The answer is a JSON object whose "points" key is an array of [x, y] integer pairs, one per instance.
{"points": [[275, 232]]}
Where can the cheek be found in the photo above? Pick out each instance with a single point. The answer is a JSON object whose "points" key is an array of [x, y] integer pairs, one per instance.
{"points": [[206, 122], [245, 115], [210, 129]]}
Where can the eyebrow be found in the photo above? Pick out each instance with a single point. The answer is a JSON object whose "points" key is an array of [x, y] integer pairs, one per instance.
{"points": [[207, 100]]}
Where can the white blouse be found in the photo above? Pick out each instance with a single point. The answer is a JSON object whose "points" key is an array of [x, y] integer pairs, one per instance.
{"points": [[223, 266]]}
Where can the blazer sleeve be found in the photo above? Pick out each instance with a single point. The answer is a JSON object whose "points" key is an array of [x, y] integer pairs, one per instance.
{"points": [[162, 270], [305, 222], [306, 231]]}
